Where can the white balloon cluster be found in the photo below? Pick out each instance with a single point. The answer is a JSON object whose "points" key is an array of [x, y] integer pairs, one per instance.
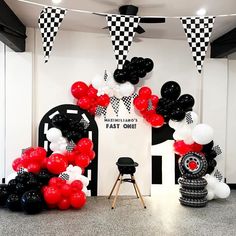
{"points": [[75, 173], [111, 87], [215, 188], [58, 142], [191, 132]]}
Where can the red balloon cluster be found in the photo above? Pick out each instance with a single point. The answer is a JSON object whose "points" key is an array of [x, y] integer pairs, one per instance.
{"points": [[87, 98], [59, 194], [33, 159], [142, 103], [181, 148]]}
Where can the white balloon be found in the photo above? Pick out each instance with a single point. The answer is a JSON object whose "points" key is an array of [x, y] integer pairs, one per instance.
{"points": [[62, 147], [176, 136], [62, 140], [126, 89], [189, 140], [210, 195], [85, 190], [98, 81], [202, 134], [84, 180], [176, 125], [222, 190], [54, 146], [53, 134]]}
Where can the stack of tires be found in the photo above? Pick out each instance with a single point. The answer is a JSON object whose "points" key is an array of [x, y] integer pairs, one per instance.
{"points": [[193, 167]]}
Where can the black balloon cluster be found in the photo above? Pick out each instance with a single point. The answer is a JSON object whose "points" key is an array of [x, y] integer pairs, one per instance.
{"points": [[73, 130], [171, 105], [133, 70], [24, 192], [210, 155]]}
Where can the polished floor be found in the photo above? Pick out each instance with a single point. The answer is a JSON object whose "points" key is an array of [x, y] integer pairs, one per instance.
{"points": [[163, 216]]}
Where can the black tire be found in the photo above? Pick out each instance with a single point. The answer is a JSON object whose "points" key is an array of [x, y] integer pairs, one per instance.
{"points": [[193, 193], [198, 162], [193, 183], [191, 202]]}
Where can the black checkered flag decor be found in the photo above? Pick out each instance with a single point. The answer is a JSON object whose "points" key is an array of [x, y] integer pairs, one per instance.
{"points": [[64, 176], [134, 95], [127, 102], [122, 31], [115, 103], [84, 123], [218, 175], [150, 107], [49, 22], [70, 147], [22, 170], [198, 32], [189, 118], [101, 111], [217, 149]]}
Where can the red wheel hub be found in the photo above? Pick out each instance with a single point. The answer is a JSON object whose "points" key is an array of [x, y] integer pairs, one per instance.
{"points": [[192, 165]]}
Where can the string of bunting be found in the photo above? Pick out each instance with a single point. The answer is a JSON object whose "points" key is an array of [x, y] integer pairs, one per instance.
{"points": [[197, 29]]}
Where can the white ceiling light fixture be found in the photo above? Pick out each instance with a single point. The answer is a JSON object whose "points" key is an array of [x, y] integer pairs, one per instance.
{"points": [[56, 1], [201, 12]]}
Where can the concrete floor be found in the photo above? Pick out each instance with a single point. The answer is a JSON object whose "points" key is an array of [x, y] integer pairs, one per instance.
{"points": [[163, 216]]}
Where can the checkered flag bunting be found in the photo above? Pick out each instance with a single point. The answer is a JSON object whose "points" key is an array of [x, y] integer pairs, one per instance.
{"points": [[149, 105], [84, 123], [64, 176], [122, 31], [189, 118], [198, 32], [134, 95], [218, 175], [49, 23], [22, 170], [105, 75], [127, 102], [115, 103], [218, 150], [101, 111], [70, 147]]}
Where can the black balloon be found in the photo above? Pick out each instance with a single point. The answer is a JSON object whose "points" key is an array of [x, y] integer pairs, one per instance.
{"points": [[164, 112], [11, 186], [212, 154], [20, 188], [186, 101], [22, 177], [148, 64], [32, 184], [126, 65], [134, 79], [13, 202], [208, 147], [170, 90], [60, 121], [74, 135], [44, 177], [177, 115], [3, 194], [141, 73], [32, 202], [120, 76]]}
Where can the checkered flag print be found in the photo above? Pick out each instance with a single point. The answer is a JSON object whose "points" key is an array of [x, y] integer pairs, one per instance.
{"points": [[101, 111], [149, 105], [218, 150], [134, 95], [115, 103], [49, 23], [22, 170], [218, 175], [189, 118], [122, 31], [64, 176], [84, 123], [70, 147], [198, 32], [105, 75], [127, 102]]}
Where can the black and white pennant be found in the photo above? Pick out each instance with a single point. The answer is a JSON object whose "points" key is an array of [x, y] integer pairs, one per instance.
{"points": [[122, 31], [198, 32], [127, 102], [101, 111], [49, 23], [115, 103]]}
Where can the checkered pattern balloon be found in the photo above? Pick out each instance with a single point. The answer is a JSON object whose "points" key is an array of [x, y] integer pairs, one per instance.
{"points": [[122, 31], [127, 102], [49, 22], [198, 32], [115, 103]]}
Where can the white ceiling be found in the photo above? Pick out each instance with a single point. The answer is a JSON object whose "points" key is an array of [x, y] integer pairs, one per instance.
{"points": [[172, 29]]}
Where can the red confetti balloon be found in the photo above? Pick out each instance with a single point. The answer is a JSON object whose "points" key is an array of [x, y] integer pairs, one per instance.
{"points": [[57, 163], [82, 160], [79, 89], [103, 100], [145, 93], [84, 145], [84, 103], [140, 103], [78, 200], [52, 195], [64, 204]]}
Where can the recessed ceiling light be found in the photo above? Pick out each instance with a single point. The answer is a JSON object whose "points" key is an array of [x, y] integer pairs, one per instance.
{"points": [[56, 1], [201, 12]]}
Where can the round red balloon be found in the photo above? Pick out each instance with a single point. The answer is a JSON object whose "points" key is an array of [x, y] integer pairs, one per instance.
{"points": [[77, 184], [79, 89], [103, 100], [92, 92], [82, 160], [34, 167], [156, 120], [84, 145], [78, 200], [64, 204], [84, 103], [57, 163], [70, 157], [65, 190], [145, 92], [91, 155], [92, 110], [44, 163], [52, 195], [155, 100], [181, 147], [16, 163], [141, 103]]}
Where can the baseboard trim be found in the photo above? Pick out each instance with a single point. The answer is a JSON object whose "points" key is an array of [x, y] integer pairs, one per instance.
{"points": [[232, 186]]}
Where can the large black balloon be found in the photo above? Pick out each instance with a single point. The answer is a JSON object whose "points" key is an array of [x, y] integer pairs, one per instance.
{"points": [[177, 115], [13, 202], [211, 155], [21, 189], [22, 177], [134, 79], [75, 125], [141, 73], [74, 135], [32, 202], [120, 76], [33, 184], [60, 121], [186, 101], [170, 90], [44, 177], [11, 186], [208, 147], [164, 112], [211, 165], [148, 65], [3, 194]]}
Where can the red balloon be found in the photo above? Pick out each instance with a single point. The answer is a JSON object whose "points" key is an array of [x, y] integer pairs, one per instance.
{"points": [[82, 160], [16, 163], [84, 103], [77, 184], [84, 145], [91, 155], [156, 120], [70, 157], [37, 155], [28, 151], [196, 147], [103, 100], [65, 190], [155, 100], [140, 103], [181, 148], [92, 92], [57, 163], [44, 163], [145, 93], [78, 200], [26, 160], [56, 182], [52, 195], [79, 89], [64, 204], [34, 167], [92, 110]]}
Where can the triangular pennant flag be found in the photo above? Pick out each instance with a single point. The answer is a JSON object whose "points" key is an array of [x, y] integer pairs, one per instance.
{"points": [[49, 22], [127, 102], [134, 95], [198, 32], [101, 111], [115, 103], [122, 31]]}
